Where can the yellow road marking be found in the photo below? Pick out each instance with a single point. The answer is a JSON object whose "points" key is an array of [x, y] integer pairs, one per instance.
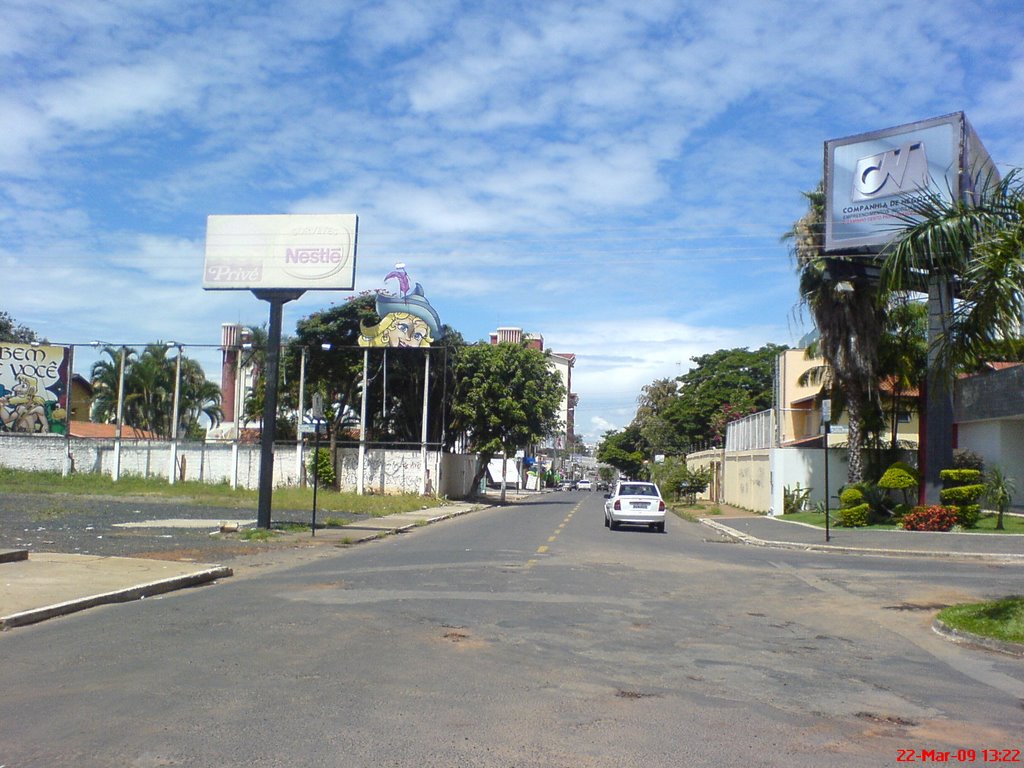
{"points": [[541, 550]]}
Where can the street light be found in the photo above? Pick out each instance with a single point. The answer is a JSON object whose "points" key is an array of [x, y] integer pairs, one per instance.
{"points": [[172, 470]]}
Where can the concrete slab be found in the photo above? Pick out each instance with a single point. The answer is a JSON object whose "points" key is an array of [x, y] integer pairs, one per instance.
{"points": [[50, 584]]}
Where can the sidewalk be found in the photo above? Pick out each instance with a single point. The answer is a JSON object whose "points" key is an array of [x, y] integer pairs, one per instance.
{"points": [[763, 531], [35, 586]]}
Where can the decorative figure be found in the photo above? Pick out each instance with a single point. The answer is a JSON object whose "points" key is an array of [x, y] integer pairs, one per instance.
{"points": [[406, 320]]}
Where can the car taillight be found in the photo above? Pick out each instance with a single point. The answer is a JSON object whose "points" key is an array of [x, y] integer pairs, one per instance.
{"points": [[617, 505], [661, 506]]}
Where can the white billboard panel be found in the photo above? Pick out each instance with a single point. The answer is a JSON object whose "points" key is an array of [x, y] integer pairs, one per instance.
{"points": [[872, 179], [305, 251]]}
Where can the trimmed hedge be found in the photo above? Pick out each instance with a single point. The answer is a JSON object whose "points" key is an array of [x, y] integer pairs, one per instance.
{"points": [[851, 497], [853, 517]]}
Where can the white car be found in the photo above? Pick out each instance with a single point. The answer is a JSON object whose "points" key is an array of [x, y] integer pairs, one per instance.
{"points": [[635, 503], [583, 485]]}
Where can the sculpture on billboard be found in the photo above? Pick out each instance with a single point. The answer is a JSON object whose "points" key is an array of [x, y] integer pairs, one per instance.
{"points": [[406, 318]]}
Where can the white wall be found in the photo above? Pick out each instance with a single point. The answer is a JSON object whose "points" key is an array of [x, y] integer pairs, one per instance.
{"points": [[998, 443], [385, 471]]}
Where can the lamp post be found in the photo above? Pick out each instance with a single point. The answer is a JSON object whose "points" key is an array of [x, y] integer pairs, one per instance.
{"points": [[299, 413], [826, 419], [174, 417], [120, 418]]}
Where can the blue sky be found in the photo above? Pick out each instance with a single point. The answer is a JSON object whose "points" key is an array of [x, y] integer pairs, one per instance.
{"points": [[615, 176]]}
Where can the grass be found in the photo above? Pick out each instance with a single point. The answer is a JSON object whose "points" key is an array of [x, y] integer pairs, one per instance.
{"points": [[999, 619], [986, 524], [205, 494]]}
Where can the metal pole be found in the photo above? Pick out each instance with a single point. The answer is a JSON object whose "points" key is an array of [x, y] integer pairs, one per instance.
{"points": [[423, 428], [277, 300], [174, 422], [826, 419], [67, 419], [120, 419], [239, 389], [298, 421], [362, 426], [316, 470]]}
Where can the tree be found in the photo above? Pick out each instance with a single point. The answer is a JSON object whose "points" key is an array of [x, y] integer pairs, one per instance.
{"points": [[624, 450], [507, 397], [148, 394], [656, 431], [848, 311], [724, 385], [10, 330], [978, 243], [394, 397]]}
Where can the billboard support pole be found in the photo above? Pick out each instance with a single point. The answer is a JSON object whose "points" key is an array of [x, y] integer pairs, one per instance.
{"points": [[277, 300]]}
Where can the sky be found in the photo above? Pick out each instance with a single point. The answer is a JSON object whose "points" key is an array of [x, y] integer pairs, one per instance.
{"points": [[613, 175]]}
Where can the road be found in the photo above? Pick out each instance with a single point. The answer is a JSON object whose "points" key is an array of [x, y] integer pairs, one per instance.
{"points": [[526, 636]]}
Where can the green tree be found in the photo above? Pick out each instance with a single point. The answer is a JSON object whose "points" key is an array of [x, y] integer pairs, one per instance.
{"points": [[655, 429], [394, 397], [507, 397], [724, 385], [148, 395], [625, 450], [11, 330], [978, 243], [848, 311]]}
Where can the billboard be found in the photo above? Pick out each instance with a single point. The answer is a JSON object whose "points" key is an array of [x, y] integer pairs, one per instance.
{"points": [[309, 252], [33, 388], [872, 179]]}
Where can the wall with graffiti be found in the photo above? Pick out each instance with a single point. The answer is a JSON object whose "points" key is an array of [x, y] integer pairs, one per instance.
{"points": [[33, 388], [406, 317]]}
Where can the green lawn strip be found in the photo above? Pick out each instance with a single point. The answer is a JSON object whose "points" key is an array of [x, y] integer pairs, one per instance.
{"points": [[999, 619], [215, 495], [986, 524]]}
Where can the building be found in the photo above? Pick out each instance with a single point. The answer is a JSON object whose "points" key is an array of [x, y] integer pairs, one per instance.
{"points": [[798, 406]]}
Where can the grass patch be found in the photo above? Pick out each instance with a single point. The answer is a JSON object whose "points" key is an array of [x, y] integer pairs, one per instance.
{"points": [[257, 534], [213, 495], [999, 619]]}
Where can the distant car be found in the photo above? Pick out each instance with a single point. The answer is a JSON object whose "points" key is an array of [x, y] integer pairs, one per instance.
{"points": [[635, 503], [567, 485], [583, 485]]}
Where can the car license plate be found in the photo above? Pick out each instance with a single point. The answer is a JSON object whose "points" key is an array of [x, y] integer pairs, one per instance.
{"points": [[639, 504]]}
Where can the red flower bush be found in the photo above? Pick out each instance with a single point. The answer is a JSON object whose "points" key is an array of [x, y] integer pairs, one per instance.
{"points": [[933, 518]]}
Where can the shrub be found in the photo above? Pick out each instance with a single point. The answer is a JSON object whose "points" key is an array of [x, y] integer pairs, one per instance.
{"points": [[898, 478], [955, 477], [853, 517], [794, 499], [933, 518], [966, 459], [320, 463], [851, 497], [962, 494], [963, 488]]}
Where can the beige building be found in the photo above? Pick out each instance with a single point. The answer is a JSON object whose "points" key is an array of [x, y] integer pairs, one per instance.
{"points": [[798, 405]]}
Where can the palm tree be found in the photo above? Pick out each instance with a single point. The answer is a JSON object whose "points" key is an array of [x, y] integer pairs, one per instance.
{"points": [[977, 243], [971, 243], [848, 311], [106, 378]]}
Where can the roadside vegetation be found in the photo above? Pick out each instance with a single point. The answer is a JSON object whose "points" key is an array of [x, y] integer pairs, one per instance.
{"points": [[998, 619], [986, 522], [202, 494]]}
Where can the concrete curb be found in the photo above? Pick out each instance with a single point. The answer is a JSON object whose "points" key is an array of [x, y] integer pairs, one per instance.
{"points": [[128, 594], [960, 637], [877, 552]]}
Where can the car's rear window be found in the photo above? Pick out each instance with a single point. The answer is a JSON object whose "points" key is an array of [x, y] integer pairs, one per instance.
{"points": [[638, 490]]}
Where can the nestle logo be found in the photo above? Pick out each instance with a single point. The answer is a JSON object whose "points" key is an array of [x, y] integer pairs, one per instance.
{"points": [[234, 273], [316, 255]]}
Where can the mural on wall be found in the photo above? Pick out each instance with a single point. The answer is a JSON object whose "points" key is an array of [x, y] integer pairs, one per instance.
{"points": [[33, 388], [406, 318]]}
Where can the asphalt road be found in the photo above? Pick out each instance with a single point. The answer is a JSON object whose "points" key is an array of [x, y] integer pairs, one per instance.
{"points": [[526, 636]]}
